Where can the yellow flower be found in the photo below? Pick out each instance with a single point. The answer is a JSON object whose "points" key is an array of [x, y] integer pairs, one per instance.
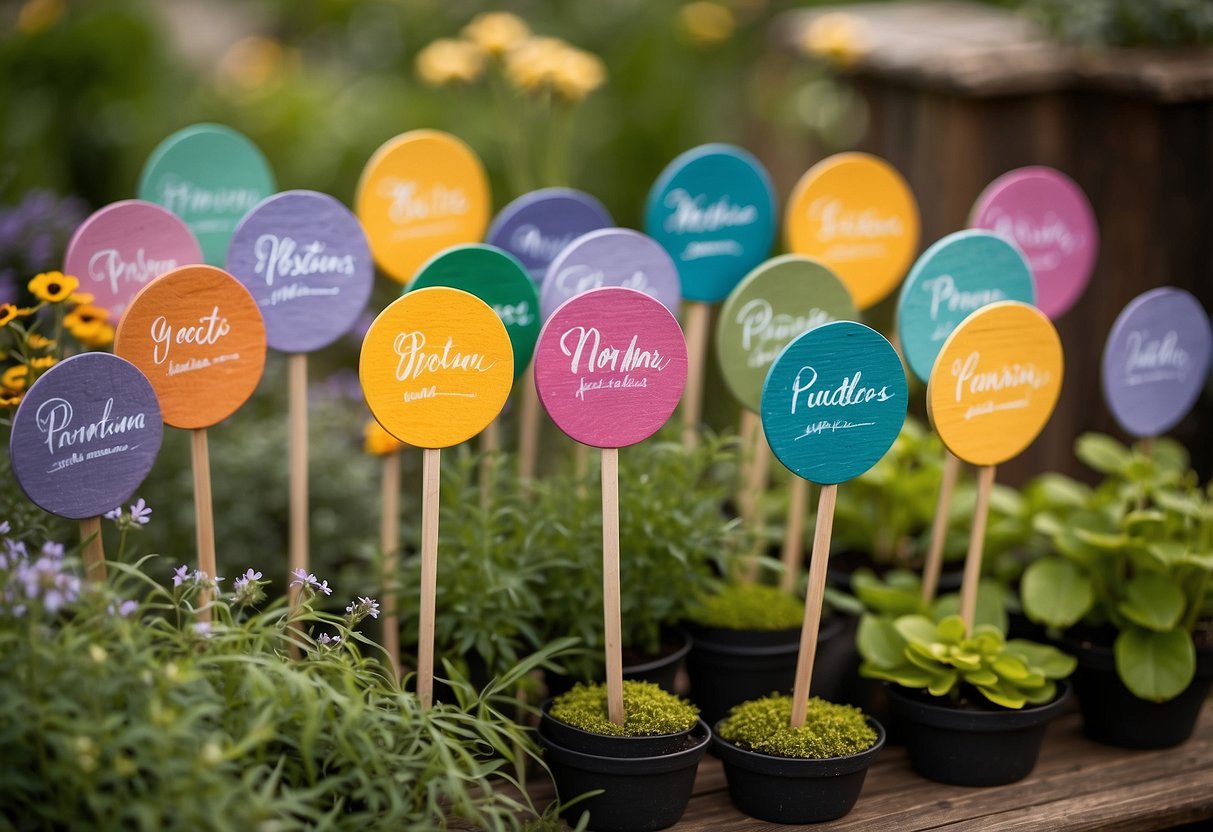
{"points": [[39, 342], [578, 73], [53, 287], [256, 63], [379, 441], [706, 23], [98, 335], [8, 313], [43, 362], [9, 399], [837, 37], [449, 61], [14, 378], [542, 63], [37, 15], [80, 298], [496, 32], [85, 316]]}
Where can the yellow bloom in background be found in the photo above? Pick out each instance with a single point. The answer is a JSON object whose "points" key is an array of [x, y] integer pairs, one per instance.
{"points": [[9, 399], [85, 315], [39, 342], [706, 23], [8, 313], [97, 335], [542, 62], [448, 61], [14, 378], [378, 441], [496, 32], [80, 298], [578, 73], [256, 64], [837, 37], [43, 362], [53, 287], [36, 15]]}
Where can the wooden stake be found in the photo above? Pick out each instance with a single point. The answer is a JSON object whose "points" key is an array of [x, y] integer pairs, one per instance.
{"points": [[746, 428], [793, 537], [1146, 444], [760, 466], [610, 584], [94, 549], [698, 319], [297, 393], [389, 544], [977, 539], [939, 528], [431, 467], [813, 603], [490, 444], [528, 426], [204, 519], [581, 463]]}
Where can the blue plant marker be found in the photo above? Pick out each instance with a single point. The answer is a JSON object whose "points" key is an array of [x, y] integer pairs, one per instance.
{"points": [[833, 402], [538, 225], [210, 176], [956, 276], [713, 209]]}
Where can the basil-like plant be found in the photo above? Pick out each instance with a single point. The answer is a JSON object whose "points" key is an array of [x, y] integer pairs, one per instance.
{"points": [[1133, 567]]}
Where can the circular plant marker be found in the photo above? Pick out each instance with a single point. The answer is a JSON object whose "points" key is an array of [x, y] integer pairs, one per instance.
{"points": [[954, 277], [210, 176], [780, 300], [86, 435], [303, 257], [1156, 360], [497, 279], [197, 335], [538, 225], [1047, 215], [124, 246], [436, 367], [421, 192], [833, 402], [996, 382], [713, 209], [855, 213], [610, 367], [611, 257]]}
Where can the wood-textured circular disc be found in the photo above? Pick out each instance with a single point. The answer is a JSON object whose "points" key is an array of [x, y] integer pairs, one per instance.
{"points": [[197, 335], [611, 257], [996, 382], [436, 367], [538, 225], [419, 193]]}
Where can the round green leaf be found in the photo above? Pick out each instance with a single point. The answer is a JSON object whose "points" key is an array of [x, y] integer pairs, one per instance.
{"points": [[1155, 666], [879, 642], [1153, 601], [1055, 592]]}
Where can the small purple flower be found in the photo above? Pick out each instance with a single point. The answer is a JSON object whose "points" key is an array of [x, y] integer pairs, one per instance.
{"points": [[325, 640], [360, 609], [141, 512], [202, 628], [52, 549], [309, 583], [114, 514], [5, 527], [181, 574], [123, 609], [245, 589]]}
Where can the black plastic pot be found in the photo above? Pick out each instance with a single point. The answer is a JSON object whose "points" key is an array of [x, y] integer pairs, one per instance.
{"points": [[639, 793], [662, 670], [728, 667], [1113, 715], [972, 746], [792, 790], [587, 742]]}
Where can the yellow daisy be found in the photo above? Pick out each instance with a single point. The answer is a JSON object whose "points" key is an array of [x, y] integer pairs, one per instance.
{"points": [[449, 61], [97, 335], [8, 313], [43, 362], [39, 342], [53, 287], [496, 32], [378, 441], [14, 378], [80, 298], [9, 398]]}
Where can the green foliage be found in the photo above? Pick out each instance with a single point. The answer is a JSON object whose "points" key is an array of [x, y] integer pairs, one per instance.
{"points": [[1101, 23], [648, 710], [829, 730], [900, 593], [749, 607], [915, 652]]}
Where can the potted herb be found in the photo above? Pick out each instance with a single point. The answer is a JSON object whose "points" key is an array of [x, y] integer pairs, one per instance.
{"points": [[972, 708], [783, 774], [1130, 582]]}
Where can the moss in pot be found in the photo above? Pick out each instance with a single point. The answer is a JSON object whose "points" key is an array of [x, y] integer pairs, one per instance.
{"points": [[785, 774]]}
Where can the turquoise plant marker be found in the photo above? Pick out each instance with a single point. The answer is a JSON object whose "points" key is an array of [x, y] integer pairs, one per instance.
{"points": [[210, 176], [832, 406], [952, 279]]}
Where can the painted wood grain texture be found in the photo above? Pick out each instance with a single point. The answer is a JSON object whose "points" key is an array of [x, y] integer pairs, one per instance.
{"points": [[419, 193], [610, 367], [1047, 215], [436, 367], [611, 257], [956, 276], [713, 209], [781, 299], [122, 247], [498, 279], [834, 401], [85, 435], [540, 224], [996, 382], [210, 176], [856, 214], [1156, 360], [198, 336], [303, 257]]}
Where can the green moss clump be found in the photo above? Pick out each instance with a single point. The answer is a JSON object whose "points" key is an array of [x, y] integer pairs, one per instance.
{"points": [[750, 607], [829, 730], [648, 710]]}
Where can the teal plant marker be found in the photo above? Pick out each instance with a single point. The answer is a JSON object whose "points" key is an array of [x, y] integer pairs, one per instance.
{"points": [[832, 406], [210, 176], [952, 279]]}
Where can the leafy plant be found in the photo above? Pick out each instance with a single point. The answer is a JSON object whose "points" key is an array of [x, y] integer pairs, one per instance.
{"points": [[915, 652], [899, 593], [829, 730], [648, 710], [1135, 562], [749, 607]]}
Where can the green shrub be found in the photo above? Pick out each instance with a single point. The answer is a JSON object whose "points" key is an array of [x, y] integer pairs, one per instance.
{"points": [[648, 710], [829, 730], [749, 607]]}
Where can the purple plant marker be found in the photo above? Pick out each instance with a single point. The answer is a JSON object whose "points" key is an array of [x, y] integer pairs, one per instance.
{"points": [[611, 257], [538, 225]]}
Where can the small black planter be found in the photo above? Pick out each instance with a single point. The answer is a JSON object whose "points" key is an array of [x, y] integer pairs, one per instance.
{"points": [[793, 790], [639, 793], [1113, 715], [662, 670], [973, 747], [601, 745], [728, 667]]}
